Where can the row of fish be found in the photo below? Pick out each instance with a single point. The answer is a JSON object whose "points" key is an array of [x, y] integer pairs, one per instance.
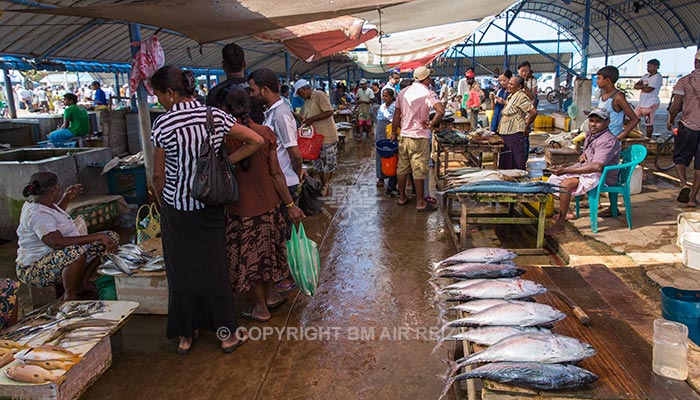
{"points": [[499, 186], [521, 350], [459, 178], [38, 362], [131, 259]]}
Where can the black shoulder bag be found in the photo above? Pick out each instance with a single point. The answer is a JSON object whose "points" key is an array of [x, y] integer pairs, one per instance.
{"points": [[215, 179]]}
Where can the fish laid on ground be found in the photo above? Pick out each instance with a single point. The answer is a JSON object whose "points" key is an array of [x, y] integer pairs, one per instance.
{"points": [[480, 271], [530, 375], [32, 374], [47, 353], [475, 306], [120, 263], [52, 364], [506, 289], [521, 314], [547, 348], [490, 335], [461, 284], [479, 255]]}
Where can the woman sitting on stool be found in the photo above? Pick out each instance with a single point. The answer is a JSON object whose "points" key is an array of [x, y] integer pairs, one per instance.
{"points": [[51, 248]]}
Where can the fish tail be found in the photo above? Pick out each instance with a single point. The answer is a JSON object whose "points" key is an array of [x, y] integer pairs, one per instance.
{"points": [[435, 287], [438, 345], [448, 385]]}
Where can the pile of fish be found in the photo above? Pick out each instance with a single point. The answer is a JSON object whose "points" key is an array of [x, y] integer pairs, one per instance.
{"points": [[458, 177], [499, 186], [131, 259], [521, 350], [38, 362]]}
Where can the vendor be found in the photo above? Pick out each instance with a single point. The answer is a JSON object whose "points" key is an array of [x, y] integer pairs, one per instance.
{"points": [[75, 121], [99, 97], [51, 248]]}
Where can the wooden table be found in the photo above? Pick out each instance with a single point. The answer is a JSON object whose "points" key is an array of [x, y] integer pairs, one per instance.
{"points": [[459, 123], [525, 200], [620, 331], [342, 116], [472, 152]]}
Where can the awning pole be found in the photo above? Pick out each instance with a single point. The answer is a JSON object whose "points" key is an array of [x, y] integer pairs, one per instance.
{"points": [[208, 79], [557, 69], [142, 105], [347, 77], [330, 80], [607, 37], [474, 51], [585, 39], [288, 67], [116, 85], [505, 53], [9, 94]]}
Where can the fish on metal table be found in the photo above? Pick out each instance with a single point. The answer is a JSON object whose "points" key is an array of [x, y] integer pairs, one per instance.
{"points": [[521, 314], [506, 288], [33, 374], [479, 271], [479, 255], [547, 348]]}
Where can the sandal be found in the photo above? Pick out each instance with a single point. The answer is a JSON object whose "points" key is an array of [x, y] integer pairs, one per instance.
{"points": [[285, 287], [248, 313], [277, 304], [428, 207], [431, 200], [607, 213], [684, 195], [232, 348], [404, 203], [183, 351]]}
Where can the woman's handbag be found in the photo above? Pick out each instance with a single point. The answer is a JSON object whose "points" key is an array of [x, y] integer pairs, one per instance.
{"points": [[309, 143], [215, 179], [147, 227]]}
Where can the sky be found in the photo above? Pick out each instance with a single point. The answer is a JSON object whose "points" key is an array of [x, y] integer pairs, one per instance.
{"points": [[674, 62]]}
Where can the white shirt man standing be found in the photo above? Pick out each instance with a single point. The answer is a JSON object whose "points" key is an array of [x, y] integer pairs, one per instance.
{"points": [[649, 101]]}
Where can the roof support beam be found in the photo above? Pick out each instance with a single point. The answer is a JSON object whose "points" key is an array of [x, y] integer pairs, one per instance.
{"points": [[627, 60], [586, 38], [476, 62], [544, 54], [77, 33]]}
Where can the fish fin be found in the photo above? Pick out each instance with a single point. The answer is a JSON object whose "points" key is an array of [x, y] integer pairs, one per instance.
{"points": [[58, 380], [436, 266]]}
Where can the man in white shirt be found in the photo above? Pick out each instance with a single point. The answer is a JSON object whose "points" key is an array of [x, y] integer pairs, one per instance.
{"points": [[649, 97], [365, 98], [264, 86], [467, 83], [25, 98]]}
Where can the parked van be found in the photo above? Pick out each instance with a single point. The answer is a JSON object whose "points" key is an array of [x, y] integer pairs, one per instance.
{"points": [[545, 83]]}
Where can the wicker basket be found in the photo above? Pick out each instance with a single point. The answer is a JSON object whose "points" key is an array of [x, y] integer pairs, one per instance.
{"points": [[98, 216]]}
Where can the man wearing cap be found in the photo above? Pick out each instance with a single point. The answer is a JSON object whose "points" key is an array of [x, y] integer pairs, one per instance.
{"points": [[412, 116], [649, 101], [470, 94], [600, 149], [318, 112], [687, 143], [363, 104]]}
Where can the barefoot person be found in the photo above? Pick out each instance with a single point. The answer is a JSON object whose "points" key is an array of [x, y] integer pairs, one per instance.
{"points": [[600, 149]]}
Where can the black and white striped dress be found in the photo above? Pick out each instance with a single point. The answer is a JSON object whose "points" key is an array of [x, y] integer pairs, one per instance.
{"points": [[194, 237]]}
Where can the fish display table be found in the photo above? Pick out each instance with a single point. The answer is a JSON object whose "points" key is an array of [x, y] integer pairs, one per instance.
{"points": [[96, 358], [534, 202], [620, 331], [472, 152]]}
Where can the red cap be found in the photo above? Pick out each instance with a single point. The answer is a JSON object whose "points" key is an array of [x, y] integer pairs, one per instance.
{"points": [[469, 74]]}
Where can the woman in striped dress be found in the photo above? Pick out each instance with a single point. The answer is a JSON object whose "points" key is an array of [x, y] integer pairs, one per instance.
{"points": [[194, 241]]}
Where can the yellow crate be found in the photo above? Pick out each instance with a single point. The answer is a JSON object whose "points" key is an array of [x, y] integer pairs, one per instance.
{"points": [[548, 206], [544, 121], [489, 115]]}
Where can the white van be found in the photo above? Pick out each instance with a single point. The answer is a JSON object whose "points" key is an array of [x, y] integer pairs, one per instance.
{"points": [[545, 83]]}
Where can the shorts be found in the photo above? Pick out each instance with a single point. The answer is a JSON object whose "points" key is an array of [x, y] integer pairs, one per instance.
{"points": [[328, 159], [414, 155], [685, 147], [586, 182], [647, 113], [362, 122], [48, 269]]}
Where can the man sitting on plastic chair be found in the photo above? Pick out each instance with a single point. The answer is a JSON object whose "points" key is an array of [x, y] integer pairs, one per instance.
{"points": [[600, 149]]}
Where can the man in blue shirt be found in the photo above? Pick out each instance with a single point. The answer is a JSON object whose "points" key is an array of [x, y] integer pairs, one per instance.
{"points": [[99, 98]]}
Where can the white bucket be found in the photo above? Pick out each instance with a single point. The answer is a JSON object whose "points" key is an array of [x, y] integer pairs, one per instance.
{"points": [[690, 243], [687, 222]]}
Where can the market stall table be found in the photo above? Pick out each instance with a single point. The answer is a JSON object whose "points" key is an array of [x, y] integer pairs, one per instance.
{"points": [[623, 361], [534, 202], [472, 152]]}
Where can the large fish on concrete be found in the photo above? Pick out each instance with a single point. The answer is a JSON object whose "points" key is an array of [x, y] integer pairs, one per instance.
{"points": [[513, 288], [479, 255], [479, 271], [521, 314], [547, 348]]}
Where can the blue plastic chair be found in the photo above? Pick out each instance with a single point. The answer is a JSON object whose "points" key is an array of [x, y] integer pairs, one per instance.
{"points": [[631, 157]]}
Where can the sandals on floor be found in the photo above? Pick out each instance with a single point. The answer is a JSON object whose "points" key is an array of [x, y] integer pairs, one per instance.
{"points": [[428, 207], [248, 313], [431, 200], [231, 349], [182, 351], [277, 304], [684, 195], [405, 202]]}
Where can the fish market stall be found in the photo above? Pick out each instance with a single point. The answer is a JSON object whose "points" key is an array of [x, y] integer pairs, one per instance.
{"points": [[584, 337], [58, 351], [512, 198], [451, 143]]}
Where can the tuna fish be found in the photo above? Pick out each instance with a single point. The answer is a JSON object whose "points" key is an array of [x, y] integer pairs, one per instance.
{"points": [[490, 335], [547, 348], [479, 255], [475, 306], [530, 375], [479, 271], [497, 289], [32, 374], [511, 314]]}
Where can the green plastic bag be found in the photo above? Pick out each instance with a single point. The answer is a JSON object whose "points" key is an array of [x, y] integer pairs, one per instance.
{"points": [[304, 261]]}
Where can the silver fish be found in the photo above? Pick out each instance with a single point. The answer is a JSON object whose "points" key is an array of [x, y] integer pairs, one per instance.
{"points": [[475, 306], [512, 314], [514, 288], [120, 263], [479, 255], [547, 348], [109, 272], [462, 284], [536, 376], [489, 335], [479, 271]]}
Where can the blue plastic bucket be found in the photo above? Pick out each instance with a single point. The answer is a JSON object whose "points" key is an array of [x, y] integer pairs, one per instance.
{"points": [[682, 306], [386, 148]]}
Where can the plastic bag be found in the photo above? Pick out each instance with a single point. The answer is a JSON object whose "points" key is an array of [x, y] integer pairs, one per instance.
{"points": [[309, 200], [149, 226], [304, 261]]}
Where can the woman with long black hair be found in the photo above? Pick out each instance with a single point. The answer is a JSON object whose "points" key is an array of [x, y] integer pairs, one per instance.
{"points": [[194, 241]]}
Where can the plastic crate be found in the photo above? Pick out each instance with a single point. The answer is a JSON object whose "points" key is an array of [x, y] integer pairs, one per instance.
{"points": [[544, 121], [98, 216]]}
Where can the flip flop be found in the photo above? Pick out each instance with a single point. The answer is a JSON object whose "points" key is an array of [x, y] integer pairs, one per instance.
{"points": [[248, 313], [277, 304], [607, 213], [431, 200], [231, 349], [285, 287], [182, 351], [684, 195], [404, 203], [428, 207]]}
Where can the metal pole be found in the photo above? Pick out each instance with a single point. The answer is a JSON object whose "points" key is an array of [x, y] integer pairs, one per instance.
{"points": [[607, 38], [9, 94], [557, 70], [347, 77], [288, 67], [474, 52], [330, 80], [586, 38], [505, 53], [142, 105], [208, 79]]}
